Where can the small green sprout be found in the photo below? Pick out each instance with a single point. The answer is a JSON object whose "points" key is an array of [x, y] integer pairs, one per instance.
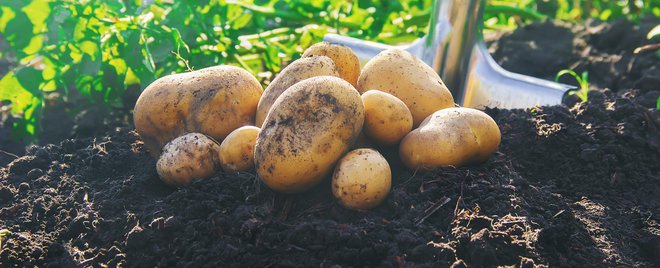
{"points": [[3, 233], [583, 82]]}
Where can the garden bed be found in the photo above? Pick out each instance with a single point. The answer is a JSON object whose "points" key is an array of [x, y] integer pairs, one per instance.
{"points": [[570, 186]]}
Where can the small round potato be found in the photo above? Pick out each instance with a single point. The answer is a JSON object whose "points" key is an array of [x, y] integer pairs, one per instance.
{"points": [[386, 118], [403, 75], [345, 59], [310, 126], [450, 137], [295, 72], [362, 179], [191, 156], [237, 150], [213, 101]]}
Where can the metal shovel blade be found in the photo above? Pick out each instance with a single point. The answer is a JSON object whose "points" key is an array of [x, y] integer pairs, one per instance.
{"points": [[455, 49]]}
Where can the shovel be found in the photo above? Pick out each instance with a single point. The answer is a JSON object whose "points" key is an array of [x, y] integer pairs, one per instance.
{"points": [[455, 49]]}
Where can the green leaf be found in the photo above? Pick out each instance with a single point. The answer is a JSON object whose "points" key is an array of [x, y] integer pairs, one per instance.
{"points": [[30, 79], [569, 72], [241, 21], [7, 15], [18, 32], [90, 48], [21, 88], [37, 11]]}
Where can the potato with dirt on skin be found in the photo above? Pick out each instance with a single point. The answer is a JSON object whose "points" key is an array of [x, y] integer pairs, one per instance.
{"points": [[362, 179], [191, 156], [403, 75], [237, 150], [295, 72], [386, 118], [347, 62], [310, 126], [213, 101], [450, 137]]}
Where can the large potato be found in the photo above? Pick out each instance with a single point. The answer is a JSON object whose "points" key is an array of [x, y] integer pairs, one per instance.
{"points": [[450, 137], [362, 179], [213, 101], [345, 59], [386, 118], [403, 75], [237, 150], [295, 72], [191, 156], [310, 126]]}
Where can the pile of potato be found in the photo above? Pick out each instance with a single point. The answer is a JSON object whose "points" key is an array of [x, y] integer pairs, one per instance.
{"points": [[302, 127]]}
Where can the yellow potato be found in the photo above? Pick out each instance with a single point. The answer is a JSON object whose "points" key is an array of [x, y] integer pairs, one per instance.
{"points": [[403, 75], [295, 72], [310, 126], [386, 118], [345, 59], [362, 179], [450, 137], [213, 101], [191, 156], [237, 150]]}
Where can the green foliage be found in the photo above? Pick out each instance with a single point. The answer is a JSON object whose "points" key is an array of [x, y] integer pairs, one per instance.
{"points": [[509, 14], [101, 49], [583, 82]]}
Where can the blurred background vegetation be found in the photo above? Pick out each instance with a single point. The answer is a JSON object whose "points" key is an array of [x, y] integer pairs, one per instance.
{"points": [[102, 51]]}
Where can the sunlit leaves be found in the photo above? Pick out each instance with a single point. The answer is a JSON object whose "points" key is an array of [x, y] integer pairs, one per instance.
{"points": [[21, 88], [101, 48]]}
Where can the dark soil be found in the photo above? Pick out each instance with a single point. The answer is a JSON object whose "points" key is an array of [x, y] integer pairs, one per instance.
{"points": [[571, 186]]}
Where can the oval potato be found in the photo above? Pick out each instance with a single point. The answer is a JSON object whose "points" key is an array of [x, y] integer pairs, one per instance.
{"points": [[362, 179], [310, 126], [237, 150], [191, 156], [347, 62], [386, 118], [295, 72], [450, 137], [213, 101], [403, 75]]}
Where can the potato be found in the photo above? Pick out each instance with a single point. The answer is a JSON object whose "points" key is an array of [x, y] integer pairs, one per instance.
{"points": [[362, 179], [450, 137], [295, 72], [310, 126], [401, 74], [237, 150], [191, 156], [213, 101], [386, 118], [345, 59]]}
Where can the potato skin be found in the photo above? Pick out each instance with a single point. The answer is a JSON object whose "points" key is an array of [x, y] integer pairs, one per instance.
{"points": [[386, 118], [310, 126], [450, 137], [345, 59], [237, 149], [191, 156], [362, 179], [213, 101], [295, 72], [403, 75]]}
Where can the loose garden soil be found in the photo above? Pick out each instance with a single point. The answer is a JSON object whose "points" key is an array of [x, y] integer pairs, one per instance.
{"points": [[575, 185]]}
